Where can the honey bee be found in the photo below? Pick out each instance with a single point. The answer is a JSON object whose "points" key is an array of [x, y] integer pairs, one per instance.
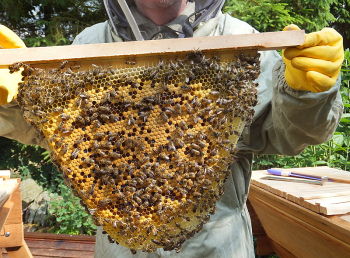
{"points": [[131, 121], [75, 153], [78, 141], [179, 132], [179, 143], [177, 109], [144, 116], [164, 157], [101, 153], [110, 239], [130, 61], [112, 136], [164, 117], [153, 74], [49, 101], [64, 116], [64, 149], [189, 108], [63, 129], [103, 203], [43, 121], [103, 109], [89, 161], [75, 67], [186, 88], [104, 117], [63, 64], [113, 118], [214, 93], [57, 109], [222, 101], [15, 67], [174, 66], [183, 125], [171, 146], [96, 124], [149, 100], [82, 99], [99, 135], [196, 119]]}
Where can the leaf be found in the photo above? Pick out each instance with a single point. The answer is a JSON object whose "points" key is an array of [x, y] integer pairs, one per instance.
{"points": [[338, 139], [320, 162]]}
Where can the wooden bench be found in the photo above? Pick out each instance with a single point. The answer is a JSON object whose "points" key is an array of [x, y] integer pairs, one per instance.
{"points": [[11, 225]]}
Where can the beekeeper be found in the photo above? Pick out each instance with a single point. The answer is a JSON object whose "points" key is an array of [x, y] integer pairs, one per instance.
{"points": [[298, 105]]}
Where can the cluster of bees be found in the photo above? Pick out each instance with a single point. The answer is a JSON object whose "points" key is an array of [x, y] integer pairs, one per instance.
{"points": [[146, 147]]}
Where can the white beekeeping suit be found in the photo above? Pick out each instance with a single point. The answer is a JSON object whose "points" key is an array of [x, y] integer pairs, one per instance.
{"points": [[278, 127]]}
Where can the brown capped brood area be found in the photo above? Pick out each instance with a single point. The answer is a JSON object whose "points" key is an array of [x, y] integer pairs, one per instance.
{"points": [[145, 146]]}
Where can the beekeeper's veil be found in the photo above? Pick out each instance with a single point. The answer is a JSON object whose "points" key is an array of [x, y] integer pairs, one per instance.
{"points": [[122, 20]]}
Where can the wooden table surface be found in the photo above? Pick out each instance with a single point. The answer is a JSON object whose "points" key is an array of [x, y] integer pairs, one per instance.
{"points": [[298, 229]]}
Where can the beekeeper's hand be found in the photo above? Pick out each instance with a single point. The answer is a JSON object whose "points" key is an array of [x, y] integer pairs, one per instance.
{"points": [[315, 65], [9, 82]]}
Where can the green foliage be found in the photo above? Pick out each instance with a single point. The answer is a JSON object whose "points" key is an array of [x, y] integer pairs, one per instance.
{"points": [[49, 22], [29, 161], [70, 216], [334, 153], [273, 15], [263, 15]]}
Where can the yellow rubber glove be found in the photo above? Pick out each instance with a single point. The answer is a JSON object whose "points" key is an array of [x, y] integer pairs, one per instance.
{"points": [[9, 82], [315, 65]]}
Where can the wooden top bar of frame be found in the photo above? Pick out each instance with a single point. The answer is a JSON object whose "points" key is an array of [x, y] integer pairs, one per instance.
{"points": [[255, 41]]}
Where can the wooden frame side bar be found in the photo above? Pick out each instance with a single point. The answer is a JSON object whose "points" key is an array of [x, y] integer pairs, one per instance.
{"points": [[256, 41]]}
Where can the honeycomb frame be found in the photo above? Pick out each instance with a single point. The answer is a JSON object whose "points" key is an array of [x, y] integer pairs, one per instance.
{"points": [[145, 142]]}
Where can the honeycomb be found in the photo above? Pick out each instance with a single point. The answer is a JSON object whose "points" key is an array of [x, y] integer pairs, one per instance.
{"points": [[146, 146]]}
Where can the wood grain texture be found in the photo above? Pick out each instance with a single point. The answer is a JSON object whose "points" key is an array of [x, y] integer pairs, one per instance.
{"points": [[5, 211], [329, 199], [255, 41], [263, 243], [21, 251], [57, 245], [7, 187], [301, 232]]}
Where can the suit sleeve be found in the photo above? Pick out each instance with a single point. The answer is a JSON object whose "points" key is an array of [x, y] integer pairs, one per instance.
{"points": [[286, 120]]}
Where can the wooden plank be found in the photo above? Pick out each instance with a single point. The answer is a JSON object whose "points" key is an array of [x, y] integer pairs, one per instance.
{"points": [[5, 212], [337, 174], [334, 227], [21, 251], [257, 41], [56, 245], [341, 220], [324, 195], [301, 232], [60, 244], [62, 253], [282, 252], [263, 245], [5, 174], [16, 235], [337, 208], [46, 236], [304, 194], [7, 187], [332, 200], [15, 217]]}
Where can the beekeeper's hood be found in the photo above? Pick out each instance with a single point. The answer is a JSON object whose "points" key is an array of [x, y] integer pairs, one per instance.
{"points": [[121, 19]]}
